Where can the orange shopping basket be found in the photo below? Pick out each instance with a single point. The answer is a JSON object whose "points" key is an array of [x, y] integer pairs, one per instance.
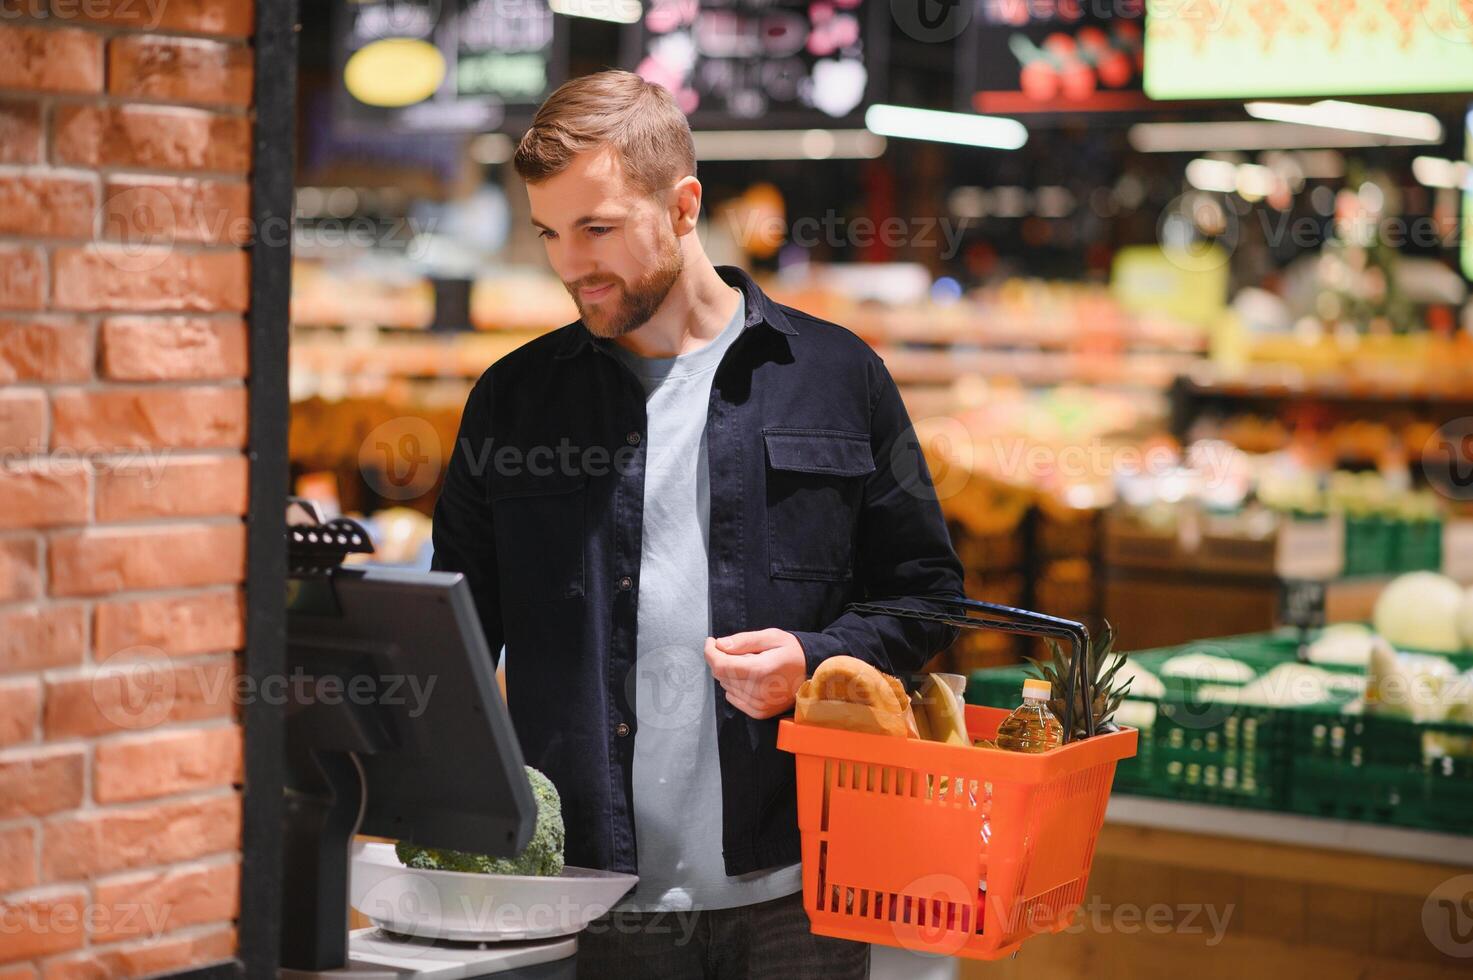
{"points": [[949, 849]]}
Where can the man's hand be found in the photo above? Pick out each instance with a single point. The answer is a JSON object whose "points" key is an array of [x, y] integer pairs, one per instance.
{"points": [[760, 671]]}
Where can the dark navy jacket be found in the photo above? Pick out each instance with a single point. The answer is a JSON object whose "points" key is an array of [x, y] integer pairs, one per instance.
{"points": [[819, 498]]}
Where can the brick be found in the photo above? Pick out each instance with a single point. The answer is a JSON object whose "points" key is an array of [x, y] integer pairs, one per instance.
{"points": [[48, 351], [38, 781], [115, 699], [40, 494], [40, 60], [22, 278], [207, 486], [166, 955], [164, 764], [178, 69], [150, 138], [150, 418], [47, 207], [173, 349], [42, 926], [112, 839], [167, 900], [20, 569], [102, 278], [22, 423], [20, 132], [20, 708], [158, 210], [35, 638], [104, 560], [177, 626], [17, 860], [227, 18]]}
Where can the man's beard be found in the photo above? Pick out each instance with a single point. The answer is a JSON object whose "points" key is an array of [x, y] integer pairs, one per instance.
{"points": [[628, 308]]}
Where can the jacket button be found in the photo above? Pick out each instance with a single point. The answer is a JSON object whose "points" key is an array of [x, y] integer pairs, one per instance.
{"points": [[626, 583], [632, 438], [621, 730]]}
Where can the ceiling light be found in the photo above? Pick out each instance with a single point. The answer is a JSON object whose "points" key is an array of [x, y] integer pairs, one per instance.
{"points": [[1202, 137], [767, 144], [1421, 127], [618, 11], [963, 128]]}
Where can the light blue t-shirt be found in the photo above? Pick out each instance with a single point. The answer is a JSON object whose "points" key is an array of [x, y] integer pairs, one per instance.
{"points": [[677, 774]]}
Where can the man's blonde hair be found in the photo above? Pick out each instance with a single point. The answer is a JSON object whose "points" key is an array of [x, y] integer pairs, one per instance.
{"points": [[639, 119]]}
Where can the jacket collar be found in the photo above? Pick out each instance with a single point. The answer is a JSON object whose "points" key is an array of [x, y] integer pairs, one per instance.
{"points": [[761, 309]]}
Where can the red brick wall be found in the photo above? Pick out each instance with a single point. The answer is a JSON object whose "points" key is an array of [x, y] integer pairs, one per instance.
{"points": [[124, 153]]}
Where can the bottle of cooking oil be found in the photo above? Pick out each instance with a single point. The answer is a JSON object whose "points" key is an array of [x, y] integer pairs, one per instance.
{"points": [[1031, 727]]}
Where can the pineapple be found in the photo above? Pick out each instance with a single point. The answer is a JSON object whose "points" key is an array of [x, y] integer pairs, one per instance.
{"points": [[1102, 667]]}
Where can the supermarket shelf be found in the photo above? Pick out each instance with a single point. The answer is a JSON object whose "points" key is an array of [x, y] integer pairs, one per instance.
{"points": [[1291, 829], [941, 328], [1036, 368]]}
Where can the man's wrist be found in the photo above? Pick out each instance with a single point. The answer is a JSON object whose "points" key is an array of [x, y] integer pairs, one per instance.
{"points": [[817, 647]]}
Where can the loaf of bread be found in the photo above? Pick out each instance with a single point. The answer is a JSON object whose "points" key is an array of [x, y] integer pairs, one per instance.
{"points": [[845, 692]]}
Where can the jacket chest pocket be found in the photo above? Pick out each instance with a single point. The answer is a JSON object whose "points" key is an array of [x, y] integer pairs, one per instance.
{"points": [[540, 535], [815, 483]]}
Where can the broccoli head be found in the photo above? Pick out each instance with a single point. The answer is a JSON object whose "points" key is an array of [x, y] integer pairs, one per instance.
{"points": [[543, 854]]}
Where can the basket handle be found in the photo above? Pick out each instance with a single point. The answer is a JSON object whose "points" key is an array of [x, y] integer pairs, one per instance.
{"points": [[960, 610]]}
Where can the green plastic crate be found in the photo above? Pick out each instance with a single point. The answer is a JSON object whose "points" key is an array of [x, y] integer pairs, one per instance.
{"points": [[1418, 546], [1369, 545], [1383, 770]]}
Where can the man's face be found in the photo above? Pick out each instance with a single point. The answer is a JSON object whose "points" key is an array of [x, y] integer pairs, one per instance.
{"points": [[611, 243]]}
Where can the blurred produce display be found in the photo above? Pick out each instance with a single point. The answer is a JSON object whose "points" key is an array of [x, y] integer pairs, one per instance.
{"points": [[1369, 729]]}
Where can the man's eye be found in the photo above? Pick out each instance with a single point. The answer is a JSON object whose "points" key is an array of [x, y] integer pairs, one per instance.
{"points": [[548, 235], [599, 230]]}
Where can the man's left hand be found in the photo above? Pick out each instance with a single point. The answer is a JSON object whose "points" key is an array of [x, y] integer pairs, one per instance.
{"points": [[760, 670]]}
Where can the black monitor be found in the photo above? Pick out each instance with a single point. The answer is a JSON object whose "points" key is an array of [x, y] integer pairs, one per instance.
{"points": [[395, 728]]}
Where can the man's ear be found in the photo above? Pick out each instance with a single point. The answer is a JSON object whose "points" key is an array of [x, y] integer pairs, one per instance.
{"points": [[685, 205]]}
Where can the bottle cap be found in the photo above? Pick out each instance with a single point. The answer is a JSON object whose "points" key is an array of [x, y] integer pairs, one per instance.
{"points": [[1037, 687]]}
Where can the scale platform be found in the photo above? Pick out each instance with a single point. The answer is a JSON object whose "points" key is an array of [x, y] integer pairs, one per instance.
{"points": [[374, 954]]}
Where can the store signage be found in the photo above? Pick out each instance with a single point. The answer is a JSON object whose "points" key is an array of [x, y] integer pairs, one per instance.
{"points": [[1211, 49], [777, 64], [444, 65], [1019, 56]]}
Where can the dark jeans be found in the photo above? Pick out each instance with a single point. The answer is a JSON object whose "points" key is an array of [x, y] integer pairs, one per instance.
{"points": [[752, 942]]}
